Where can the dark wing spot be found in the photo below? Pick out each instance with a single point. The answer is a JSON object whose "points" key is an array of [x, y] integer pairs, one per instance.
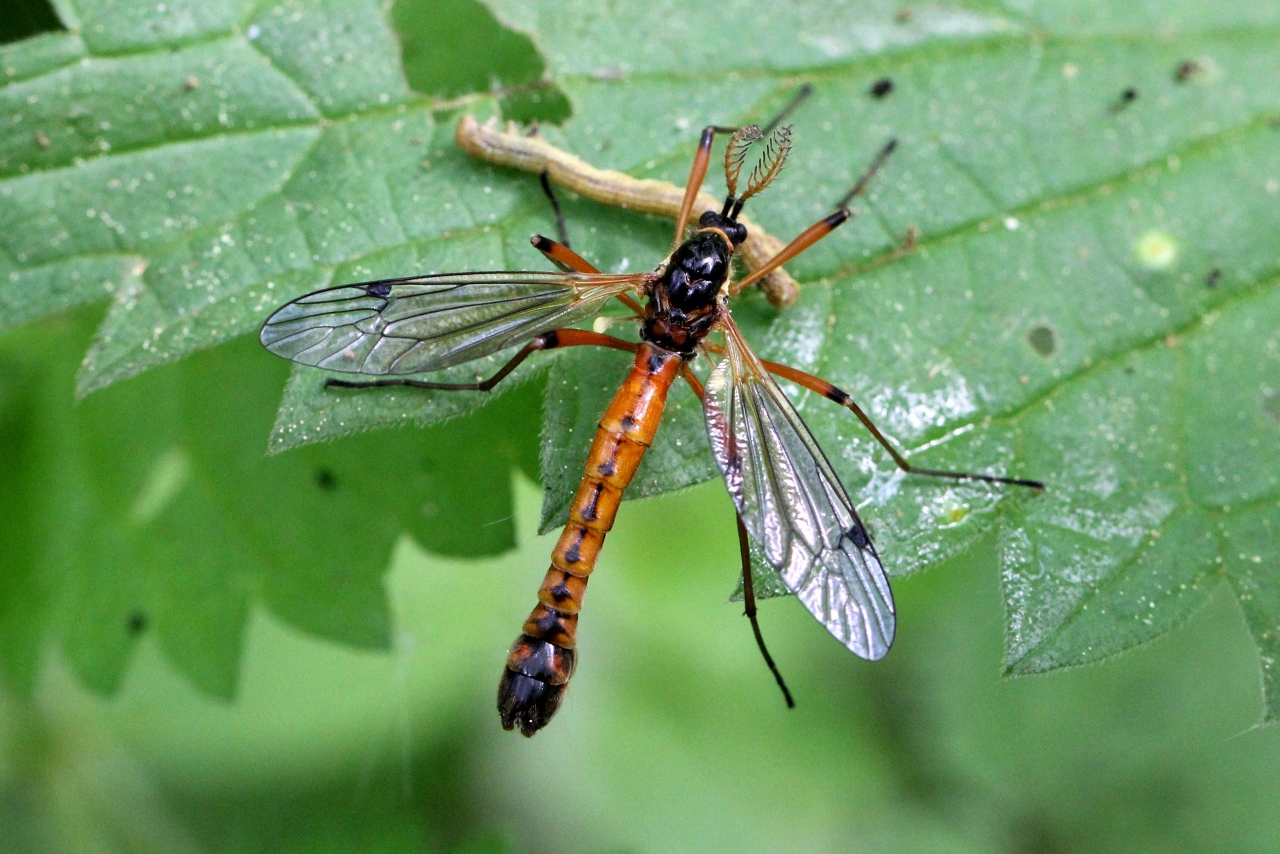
{"points": [[858, 536], [379, 289]]}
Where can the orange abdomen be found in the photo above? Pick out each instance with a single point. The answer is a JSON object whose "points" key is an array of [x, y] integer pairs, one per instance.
{"points": [[542, 658]]}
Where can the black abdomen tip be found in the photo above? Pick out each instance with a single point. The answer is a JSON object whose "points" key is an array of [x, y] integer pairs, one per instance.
{"points": [[526, 702]]}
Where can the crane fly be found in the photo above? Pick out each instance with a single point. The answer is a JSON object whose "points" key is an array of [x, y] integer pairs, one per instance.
{"points": [[789, 501]]}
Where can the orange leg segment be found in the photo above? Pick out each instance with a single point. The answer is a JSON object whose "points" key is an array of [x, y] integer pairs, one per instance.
{"points": [[566, 259], [831, 392], [697, 173], [821, 229]]}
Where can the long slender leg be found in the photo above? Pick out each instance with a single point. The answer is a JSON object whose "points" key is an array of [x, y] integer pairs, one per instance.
{"points": [[561, 231], [748, 588], [841, 397], [697, 172], [749, 608], [796, 100], [562, 256], [546, 341], [822, 228], [571, 262]]}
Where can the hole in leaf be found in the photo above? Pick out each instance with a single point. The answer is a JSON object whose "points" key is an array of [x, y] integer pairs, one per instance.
{"points": [[1043, 341], [456, 47], [25, 18]]}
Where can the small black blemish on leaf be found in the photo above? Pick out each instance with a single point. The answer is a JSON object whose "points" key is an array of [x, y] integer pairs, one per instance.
{"points": [[136, 623], [881, 88], [325, 479], [1214, 277], [1186, 69], [1127, 97], [1042, 340]]}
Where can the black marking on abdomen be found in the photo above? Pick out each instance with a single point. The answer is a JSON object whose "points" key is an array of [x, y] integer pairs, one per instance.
{"points": [[591, 512], [573, 554]]}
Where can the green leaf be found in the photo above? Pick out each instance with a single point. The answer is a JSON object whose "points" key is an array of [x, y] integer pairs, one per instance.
{"points": [[152, 507], [1084, 260], [1092, 299]]}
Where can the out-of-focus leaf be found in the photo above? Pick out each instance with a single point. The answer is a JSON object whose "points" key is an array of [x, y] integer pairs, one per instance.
{"points": [[152, 507]]}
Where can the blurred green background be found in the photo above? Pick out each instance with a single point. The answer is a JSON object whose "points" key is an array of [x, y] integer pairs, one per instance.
{"points": [[673, 737]]}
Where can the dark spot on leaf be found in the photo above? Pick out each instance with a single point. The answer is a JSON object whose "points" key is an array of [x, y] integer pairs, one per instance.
{"points": [[1186, 69], [1043, 341], [136, 623], [379, 289], [1214, 277], [881, 88], [1128, 369], [1127, 97], [325, 479], [904, 15]]}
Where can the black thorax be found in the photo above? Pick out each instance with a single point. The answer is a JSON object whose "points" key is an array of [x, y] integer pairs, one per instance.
{"points": [[685, 303]]}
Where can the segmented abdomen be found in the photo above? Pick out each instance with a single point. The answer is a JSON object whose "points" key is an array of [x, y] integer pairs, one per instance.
{"points": [[542, 659]]}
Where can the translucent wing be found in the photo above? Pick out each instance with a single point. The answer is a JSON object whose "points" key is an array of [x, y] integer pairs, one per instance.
{"points": [[793, 504], [424, 323]]}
